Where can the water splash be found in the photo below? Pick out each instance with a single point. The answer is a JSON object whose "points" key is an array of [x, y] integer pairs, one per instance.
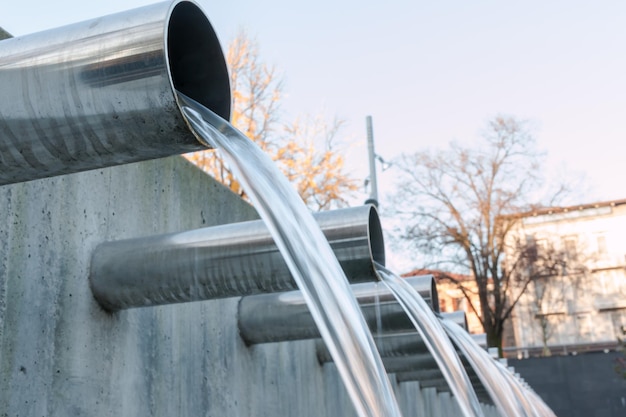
{"points": [[309, 258], [436, 341], [485, 367]]}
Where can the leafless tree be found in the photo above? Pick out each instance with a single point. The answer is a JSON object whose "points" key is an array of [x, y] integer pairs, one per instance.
{"points": [[458, 206], [306, 150], [311, 160]]}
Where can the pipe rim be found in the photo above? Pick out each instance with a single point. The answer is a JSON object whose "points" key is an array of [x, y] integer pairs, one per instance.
{"points": [[195, 60], [375, 235], [434, 298]]}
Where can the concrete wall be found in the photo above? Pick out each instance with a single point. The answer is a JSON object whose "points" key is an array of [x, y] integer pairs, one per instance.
{"points": [[584, 385], [62, 355]]}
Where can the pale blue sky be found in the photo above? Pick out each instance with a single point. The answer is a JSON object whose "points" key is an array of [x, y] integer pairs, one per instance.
{"points": [[430, 72]]}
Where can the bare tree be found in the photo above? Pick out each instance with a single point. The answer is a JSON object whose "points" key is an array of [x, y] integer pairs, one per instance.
{"points": [[457, 206], [306, 150], [311, 161], [256, 90]]}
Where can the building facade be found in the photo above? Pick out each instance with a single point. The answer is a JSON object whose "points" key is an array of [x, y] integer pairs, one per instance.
{"points": [[576, 295]]}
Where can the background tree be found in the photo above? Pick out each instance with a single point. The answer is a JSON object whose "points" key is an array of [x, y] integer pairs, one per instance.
{"points": [[456, 205], [312, 162], [305, 150]]}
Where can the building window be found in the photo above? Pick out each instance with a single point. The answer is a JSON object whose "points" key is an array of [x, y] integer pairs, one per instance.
{"points": [[569, 247], [601, 245]]}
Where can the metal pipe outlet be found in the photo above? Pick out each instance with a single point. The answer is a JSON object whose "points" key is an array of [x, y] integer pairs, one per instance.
{"points": [[441, 385], [406, 349], [102, 92], [406, 346], [280, 317], [426, 375], [416, 359], [433, 378], [224, 261]]}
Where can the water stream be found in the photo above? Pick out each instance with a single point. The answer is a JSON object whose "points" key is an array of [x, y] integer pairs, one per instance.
{"points": [[526, 400], [540, 405], [436, 340], [379, 319], [310, 259], [485, 367]]}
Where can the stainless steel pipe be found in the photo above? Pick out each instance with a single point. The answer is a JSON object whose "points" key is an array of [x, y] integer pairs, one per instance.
{"points": [[429, 374], [415, 359], [102, 92], [433, 378], [224, 261], [280, 317], [441, 385], [407, 346]]}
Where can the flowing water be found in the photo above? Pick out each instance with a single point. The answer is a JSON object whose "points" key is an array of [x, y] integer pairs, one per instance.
{"points": [[485, 367], [310, 259], [436, 340], [540, 405], [379, 319], [524, 396]]}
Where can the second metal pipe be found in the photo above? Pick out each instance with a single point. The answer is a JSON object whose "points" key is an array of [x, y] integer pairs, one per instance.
{"points": [[224, 261]]}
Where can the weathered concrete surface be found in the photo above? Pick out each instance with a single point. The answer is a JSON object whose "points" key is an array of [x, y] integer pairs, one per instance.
{"points": [[62, 355]]}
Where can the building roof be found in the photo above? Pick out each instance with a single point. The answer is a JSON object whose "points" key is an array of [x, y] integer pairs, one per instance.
{"points": [[438, 275], [541, 211]]}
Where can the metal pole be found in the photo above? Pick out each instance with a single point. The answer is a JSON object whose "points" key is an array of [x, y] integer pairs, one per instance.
{"points": [[372, 162]]}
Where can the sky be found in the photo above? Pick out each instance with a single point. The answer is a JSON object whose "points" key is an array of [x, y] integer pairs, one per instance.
{"points": [[429, 72]]}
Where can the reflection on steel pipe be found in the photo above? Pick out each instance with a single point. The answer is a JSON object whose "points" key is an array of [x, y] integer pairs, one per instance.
{"points": [[224, 261], [405, 349], [279, 317], [101, 92]]}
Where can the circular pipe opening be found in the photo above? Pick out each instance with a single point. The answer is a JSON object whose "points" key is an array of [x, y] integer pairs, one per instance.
{"points": [[434, 296], [375, 232], [196, 61]]}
